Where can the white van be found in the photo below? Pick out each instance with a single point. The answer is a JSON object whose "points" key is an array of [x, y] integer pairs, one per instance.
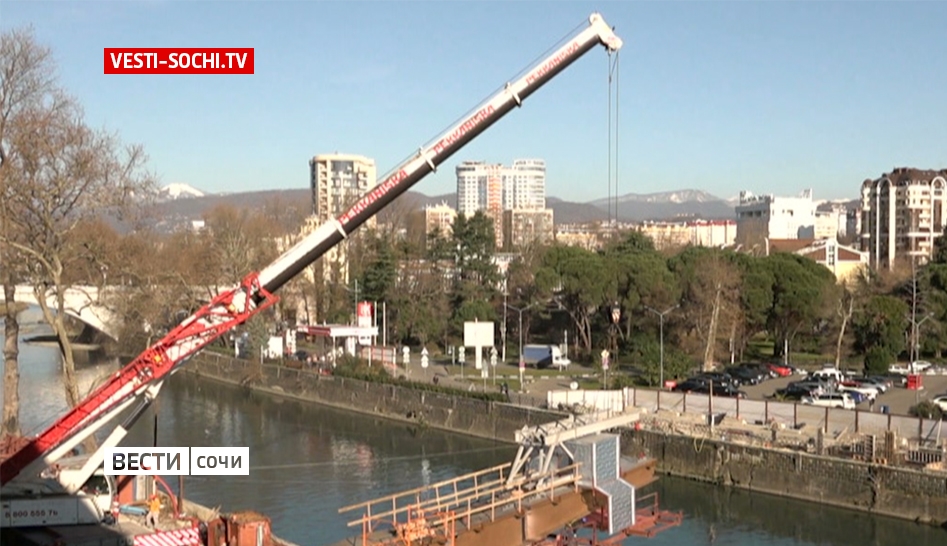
{"points": [[828, 374], [834, 400]]}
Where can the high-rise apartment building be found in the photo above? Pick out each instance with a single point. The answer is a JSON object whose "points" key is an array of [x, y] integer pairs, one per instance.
{"points": [[524, 185], [490, 186], [337, 182], [902, 213], [494, 188]]}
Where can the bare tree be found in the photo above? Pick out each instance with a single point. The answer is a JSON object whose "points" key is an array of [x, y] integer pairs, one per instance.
{"points": [[23, 85], [58, 173], [845, 308]]}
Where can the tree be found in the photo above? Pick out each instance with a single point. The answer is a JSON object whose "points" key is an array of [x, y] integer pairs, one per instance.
{"points": [[476, 278], [879, 332], [58, 173], [24, 82]]}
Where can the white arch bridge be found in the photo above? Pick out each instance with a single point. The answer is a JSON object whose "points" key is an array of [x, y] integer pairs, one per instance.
{"points": [[90, 304], [82, 303]]}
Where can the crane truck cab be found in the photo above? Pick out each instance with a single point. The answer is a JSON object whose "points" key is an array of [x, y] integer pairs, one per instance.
{"points": [[89, 505]]}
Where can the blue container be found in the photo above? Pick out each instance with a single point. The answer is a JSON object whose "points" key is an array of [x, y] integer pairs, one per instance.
{"points": [[885, 409]]}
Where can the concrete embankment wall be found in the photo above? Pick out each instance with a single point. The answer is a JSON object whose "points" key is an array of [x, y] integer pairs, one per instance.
{"points": [[899, 492], [902, 493], [481, 418]]}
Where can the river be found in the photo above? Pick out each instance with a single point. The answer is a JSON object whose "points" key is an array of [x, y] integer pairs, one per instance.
{"points": [[307, 461]]}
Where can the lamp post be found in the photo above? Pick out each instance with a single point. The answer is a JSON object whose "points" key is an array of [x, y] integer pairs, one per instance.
{"points": [[616, 316], [660, 315], [522, 364], [915, 329]]}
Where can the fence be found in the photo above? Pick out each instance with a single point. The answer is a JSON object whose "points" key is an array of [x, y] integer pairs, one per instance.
{"points": [[792, 415]]}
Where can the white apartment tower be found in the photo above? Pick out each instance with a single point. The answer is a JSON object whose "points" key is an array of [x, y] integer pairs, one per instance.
{"points": [[762, 217], [524, 185], [337, 182], [496, 189], [490, 186], [902, 213]]}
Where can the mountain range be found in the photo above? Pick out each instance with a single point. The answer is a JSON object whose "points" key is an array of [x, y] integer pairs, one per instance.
{"points": [[180, 203]]}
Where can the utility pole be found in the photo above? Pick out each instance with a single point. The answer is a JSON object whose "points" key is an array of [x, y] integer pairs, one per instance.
{"points": [[913, 310], [503, 332], [522, 363], [356, 301], [660, 315]]}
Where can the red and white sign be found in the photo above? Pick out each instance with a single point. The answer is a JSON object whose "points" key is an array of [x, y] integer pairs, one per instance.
{"points": [[177, 537], [364, 314], [171, 60]]}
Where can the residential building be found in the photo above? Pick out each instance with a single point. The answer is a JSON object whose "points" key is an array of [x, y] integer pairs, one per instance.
{"points": [[524, 185], [853, 224], [479, 186], [337, 182], [761, 217], [491, 186], [843, 261], [524, 227], [830, 222], [902, 213], [587, 236], [439, 217], [668, 235], [494, 188], [716, 233]]}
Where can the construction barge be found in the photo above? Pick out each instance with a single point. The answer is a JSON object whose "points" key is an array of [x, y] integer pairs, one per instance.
{"points": [[568, 485], [181, 523]]}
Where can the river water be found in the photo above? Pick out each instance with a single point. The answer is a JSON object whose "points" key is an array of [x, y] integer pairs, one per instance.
{"points": [[307, 461]]}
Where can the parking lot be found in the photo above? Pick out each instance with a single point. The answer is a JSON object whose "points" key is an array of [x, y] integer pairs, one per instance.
{"points": [[898, 399]]}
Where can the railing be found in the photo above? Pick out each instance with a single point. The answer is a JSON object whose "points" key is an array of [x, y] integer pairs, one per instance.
{"points": [[793, 415], [462, 499]]}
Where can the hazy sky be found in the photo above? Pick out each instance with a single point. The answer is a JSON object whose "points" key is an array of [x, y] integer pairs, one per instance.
{"points": [[769, 96]]}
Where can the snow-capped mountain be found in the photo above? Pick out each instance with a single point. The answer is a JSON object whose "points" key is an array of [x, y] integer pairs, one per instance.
{"points": [[178, 191], [680, 196]]}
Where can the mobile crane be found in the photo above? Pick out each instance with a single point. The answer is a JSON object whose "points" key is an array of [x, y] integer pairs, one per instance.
{"points": [[43, 483]]}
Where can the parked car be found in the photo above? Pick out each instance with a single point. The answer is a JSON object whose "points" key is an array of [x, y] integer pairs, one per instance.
{"points": [[795, 392], [761, 368], [782, 370], [689, 385], [896, 379], [941, 401], [833, 400], [718, 377], [728, 391], [746, 376], [880, 384]]}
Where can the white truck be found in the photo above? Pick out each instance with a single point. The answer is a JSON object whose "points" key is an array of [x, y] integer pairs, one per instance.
{"points": [[545, 356]]}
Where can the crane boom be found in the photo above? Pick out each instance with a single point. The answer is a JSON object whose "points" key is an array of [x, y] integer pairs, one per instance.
{"points": [[256, 292]]}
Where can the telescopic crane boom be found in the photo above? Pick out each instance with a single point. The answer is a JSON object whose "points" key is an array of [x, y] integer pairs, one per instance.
{"points": [[139, 381]]}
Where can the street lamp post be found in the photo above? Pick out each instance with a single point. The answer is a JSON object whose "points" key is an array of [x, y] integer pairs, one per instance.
{"points": [[660, 315], [522, 363]]}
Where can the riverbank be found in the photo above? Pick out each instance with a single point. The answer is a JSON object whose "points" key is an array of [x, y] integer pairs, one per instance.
{"points": [[480, 418], [878, 489]]}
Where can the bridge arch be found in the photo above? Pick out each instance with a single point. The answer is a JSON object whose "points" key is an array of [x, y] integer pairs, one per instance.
{"points": [[82, 303]]}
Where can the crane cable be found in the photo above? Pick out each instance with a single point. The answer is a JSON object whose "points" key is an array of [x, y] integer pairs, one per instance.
{"points": [[613, 77]]}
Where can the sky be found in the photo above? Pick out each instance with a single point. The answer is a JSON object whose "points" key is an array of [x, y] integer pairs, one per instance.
{"points": [[766, 96]]}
